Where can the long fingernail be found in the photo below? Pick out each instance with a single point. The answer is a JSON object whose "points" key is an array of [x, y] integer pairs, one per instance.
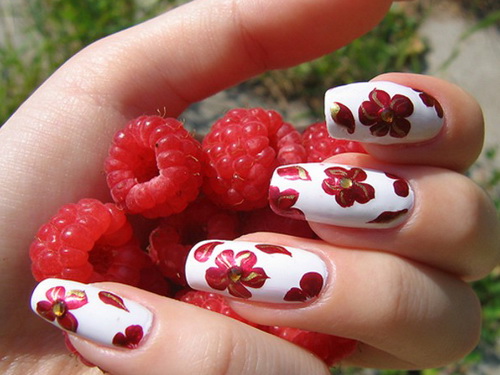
{"points": [[382, 112], [340, 195], [92, 313], [256, 271]]}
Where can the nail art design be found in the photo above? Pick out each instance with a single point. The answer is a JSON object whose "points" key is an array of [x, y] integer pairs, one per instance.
{"points": [[95, 314], [257, 272], [340, 195], [382, 112]]}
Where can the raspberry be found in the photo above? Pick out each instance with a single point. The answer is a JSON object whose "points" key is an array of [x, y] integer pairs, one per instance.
{"points": [[87, 241], [171, 241], [331, 349], [320, 145], [154, 167], [213, 302], [241, 152], [265, 220]]}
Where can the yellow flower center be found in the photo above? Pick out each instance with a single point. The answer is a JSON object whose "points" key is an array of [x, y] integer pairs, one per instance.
{"points": [[346, 183], [235, 274], [387, 115], [59, 308]]}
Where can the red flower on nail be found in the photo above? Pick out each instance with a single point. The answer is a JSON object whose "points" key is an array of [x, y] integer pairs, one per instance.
{"points": [[310, 286], [58, 305], [235, 273], [347, 186], [401, 187], [133, 335], [386, 115]]}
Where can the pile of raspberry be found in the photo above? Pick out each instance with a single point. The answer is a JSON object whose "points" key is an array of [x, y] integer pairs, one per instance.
{"points": [[168, 192]]}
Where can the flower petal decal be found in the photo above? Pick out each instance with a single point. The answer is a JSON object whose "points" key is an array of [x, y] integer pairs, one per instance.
{"points": [[133, 335], [273, 249], [112, 299], [310, 286], [401, 187], [204, 252], [58, 304], [429, 101], [235, 273], [386, 115], [293, 173], [282, 202], [388, 216], [347, 186], [343, 116]]}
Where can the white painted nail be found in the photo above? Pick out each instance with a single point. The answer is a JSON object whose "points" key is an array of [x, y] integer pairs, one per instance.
{"points": [[92, 313], [340, 195], [256, 271], [382, 112]]}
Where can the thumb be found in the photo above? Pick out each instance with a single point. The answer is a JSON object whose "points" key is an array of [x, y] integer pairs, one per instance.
{"points": [[124, 330]]}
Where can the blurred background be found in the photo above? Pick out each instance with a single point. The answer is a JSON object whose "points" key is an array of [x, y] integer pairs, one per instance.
{"points": [[458, 40]]}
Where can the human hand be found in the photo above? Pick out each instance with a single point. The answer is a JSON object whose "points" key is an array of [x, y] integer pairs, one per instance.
{"points": [[53, 147]]}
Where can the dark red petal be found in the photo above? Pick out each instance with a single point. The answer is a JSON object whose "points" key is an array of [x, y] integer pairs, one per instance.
{"points": [[273, 249], [388, 216], [238, 290], [225, 259], [44, 308], [246, 259], [295, 295], [294, 173], [255, 278], [56, 293], [217, 278], [401, 188], [112, 299], [68, 322], [380, 129], [400, 128], [402, 106], [357, 174], [311, 283], [343, 116], [345, 198], [362, 193], [203, 253], [133, 335], [75, 298], [381, 98], [338, 172], [368, 113]]}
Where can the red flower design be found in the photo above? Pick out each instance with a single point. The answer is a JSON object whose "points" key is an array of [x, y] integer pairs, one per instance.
{"points": [[343, 116], [58, 305], [401, 187], [347, 186], [282, 202], [310, 286], [133, 335], [386, 115], [293, 173], [235, 273]]}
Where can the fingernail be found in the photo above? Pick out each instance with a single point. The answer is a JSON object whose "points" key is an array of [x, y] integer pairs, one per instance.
{"points": [[92, 313], [340, 195], [382, 112], [256, 271]]}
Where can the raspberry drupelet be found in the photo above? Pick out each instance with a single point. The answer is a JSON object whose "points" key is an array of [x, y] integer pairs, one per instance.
{"points": [[154, 167]]}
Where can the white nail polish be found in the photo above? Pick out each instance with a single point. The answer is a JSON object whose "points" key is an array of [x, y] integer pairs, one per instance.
{"points": [[256, 271], [382, 112], [340, 195], [92, 313]]}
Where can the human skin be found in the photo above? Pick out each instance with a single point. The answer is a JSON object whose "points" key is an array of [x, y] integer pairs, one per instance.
{"points": [[403, 293]]}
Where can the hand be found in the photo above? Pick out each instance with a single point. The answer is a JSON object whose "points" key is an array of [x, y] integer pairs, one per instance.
{"points": [[400, 291]]}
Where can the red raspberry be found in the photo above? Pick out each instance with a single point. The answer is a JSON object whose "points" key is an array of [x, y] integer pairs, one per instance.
{"points": [[265, 220], [241, 152], [171, 241], [213, 302], [87, 241], [154, 167], [320, 145], [331, 349]]}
